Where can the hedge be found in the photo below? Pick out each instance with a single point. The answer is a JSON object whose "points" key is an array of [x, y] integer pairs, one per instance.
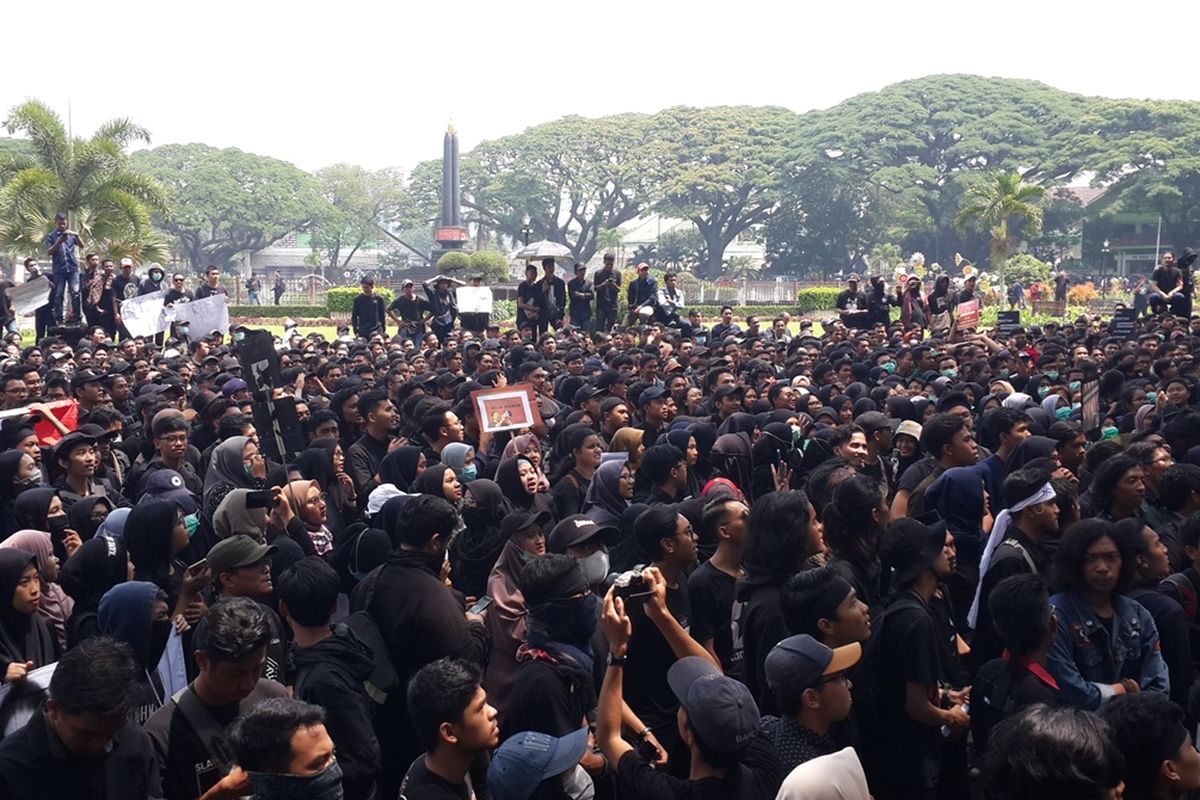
{"points": [[278, 312], [341, 298]]}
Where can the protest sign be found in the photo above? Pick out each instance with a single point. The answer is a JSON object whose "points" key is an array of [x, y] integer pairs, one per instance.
{"points": [[968, 315], [474, 299], [1090, 412], [143, 315], [1122, 324], [204, 316], [30, 295], [506, 408], [1007, 322]]}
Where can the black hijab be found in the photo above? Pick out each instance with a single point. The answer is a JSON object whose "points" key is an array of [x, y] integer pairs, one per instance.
{"points": [[474, 551], [23, 637], [79, 518], [399, 467], [316, 462], [358, 551], [148, 533], [30, 508]]}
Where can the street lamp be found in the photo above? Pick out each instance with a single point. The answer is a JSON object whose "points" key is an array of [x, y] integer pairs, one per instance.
{"points": [[526, 229], [1103, 266]]}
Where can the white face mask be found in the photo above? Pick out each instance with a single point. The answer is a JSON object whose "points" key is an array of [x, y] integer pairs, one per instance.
{"points": [[594, 567]]}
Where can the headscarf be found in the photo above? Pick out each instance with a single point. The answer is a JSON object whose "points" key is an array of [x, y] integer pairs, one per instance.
{"points": [[97, 566], [114, 524], [321, 537], [473, 552], [505, 620], [347, 430], [316, 462], [148, 536], [358, 551], [957, 494], [80, 516], [740, 422], [902, 408], [233, 517], [227, 465], [23, 637], [388, 518], [706, 437], [603, 503], [399, 467], [29, 510], [454, 455], [1140, 416], [10, 462], [1034, 447], [731, 459], [837, 776], [55, 605], [517, 447], [509, 479]]}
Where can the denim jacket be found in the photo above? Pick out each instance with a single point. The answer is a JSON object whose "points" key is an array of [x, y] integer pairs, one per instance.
{"points": [[1085, 661]]}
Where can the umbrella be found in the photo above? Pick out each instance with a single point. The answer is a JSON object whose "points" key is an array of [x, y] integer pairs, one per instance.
{"points": [[545, 249]]}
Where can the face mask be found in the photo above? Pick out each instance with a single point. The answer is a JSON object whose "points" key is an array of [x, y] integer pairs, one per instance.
{"points": [[469, 474], [1043, 391], [30, 481], [595, 567], [797, 435], [950, 373], [1151, 397], [571, 620], [1004, 373], [160, 634], [239, 336], [1052, 374], [192, 521], [183, 330], [1062, 413], [1109, 433], [326, 785], [58, 526], [889, 367], [1074, 386]]}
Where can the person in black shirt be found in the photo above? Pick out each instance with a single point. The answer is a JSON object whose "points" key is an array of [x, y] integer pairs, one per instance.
{"points": [[450, 712], [607, 285], [968, 291], [443, 307], [410, 312], [1019, 607], [852, 305], [280, 286], [366, 315], [532, 303], [580, 290], [124, 287], [1168, 285], [718, 720], [80, 743], [642, 292], [212, 285], [555, 291], [711, 587]]}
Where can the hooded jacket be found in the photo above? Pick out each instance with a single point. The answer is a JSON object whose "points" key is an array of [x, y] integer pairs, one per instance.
{"points": [[97, 566], [331, 674], [758, 626], [127, 614]]}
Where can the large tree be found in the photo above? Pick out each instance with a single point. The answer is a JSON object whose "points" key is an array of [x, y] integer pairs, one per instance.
{"points": [[720, 168], [90, 179], [229, 201], [361, 205]]}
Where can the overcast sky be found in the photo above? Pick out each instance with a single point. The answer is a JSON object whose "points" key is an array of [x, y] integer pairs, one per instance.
{"points": [[374, 83]]}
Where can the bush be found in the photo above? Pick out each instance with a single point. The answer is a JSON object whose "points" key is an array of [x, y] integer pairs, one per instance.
{"points": [[454, 261], [278, 312], [341, 298], [821, 298], [504, 311], [493, 266], [1028, 268], [1081, 294]]}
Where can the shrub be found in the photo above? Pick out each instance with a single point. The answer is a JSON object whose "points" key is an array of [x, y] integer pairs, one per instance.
{"points": [[341, 298], [493, 266], [278, 312], [1027, 267], [821, 298], [1082, 293], [454, 261]]}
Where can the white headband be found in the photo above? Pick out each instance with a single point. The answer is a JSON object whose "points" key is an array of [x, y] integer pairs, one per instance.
{"points": [[998, 535], [1040, 496]]}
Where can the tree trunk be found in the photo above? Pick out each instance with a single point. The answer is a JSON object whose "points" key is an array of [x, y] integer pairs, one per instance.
{"points": [[714, 243]]}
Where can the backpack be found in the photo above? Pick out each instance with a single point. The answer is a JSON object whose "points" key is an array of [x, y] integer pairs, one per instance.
{"points": [[1180, 588], [384, 680]]}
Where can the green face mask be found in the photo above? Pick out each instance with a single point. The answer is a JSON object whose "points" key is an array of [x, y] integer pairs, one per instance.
{"points": [[1109, 433], [889, 367], [1004, 373], [1062, 413], [950, 373], [239, 336], [1052, 374], [249, 470], [192, 521], [1074, 386], [1043, 391], [1151, 397]]}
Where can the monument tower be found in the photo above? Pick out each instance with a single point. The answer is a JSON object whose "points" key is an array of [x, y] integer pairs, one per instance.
{"points": [[449, 234]]}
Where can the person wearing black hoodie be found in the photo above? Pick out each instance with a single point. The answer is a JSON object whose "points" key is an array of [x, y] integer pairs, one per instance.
{"points": [[421, 620], [135, 613], [784, 532], [330, 666], [98, 565]]}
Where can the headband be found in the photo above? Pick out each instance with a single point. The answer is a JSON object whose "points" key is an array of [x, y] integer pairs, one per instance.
{"points": [[999, 534]]}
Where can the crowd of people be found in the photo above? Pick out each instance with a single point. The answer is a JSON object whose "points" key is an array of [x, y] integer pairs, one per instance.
{"points": [[880, 558]]}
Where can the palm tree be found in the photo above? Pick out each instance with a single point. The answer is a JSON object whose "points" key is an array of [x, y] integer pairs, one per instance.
{"points": [[742, 268], [993, 204], [88, 179]]}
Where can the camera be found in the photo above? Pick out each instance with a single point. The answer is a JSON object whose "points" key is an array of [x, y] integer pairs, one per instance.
{"points": [[632, 585]]}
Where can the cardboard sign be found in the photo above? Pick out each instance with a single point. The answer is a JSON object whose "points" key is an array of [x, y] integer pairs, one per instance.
{"points": [[30, 296], [204, 316], [143, 315], [474, 299], [1007, 322], [275, 418], [1123, 323], [506, 408], [968, 315]]}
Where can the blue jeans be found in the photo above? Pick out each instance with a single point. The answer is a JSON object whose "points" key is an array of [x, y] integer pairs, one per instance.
{"points": [[60, 281]]}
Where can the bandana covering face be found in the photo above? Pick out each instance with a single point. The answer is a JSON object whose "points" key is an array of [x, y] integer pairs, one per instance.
{"points": [[325, 785]]}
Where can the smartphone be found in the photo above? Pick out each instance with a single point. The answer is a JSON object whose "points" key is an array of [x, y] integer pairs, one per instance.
{"points": [[198, 566], [481, 605], [260, 498]]}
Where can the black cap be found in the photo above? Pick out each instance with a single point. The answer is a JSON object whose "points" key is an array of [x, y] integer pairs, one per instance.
{"points": [[650, 394], [587, 392], [911, 546], [577, 529], [872, 421], [606, 379], [520, 519], [69, 442], [85, 376]]}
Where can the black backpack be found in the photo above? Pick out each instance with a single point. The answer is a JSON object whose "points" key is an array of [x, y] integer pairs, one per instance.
{"points": [[384, 681]]}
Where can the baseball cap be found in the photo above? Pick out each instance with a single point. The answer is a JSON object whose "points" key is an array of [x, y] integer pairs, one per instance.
{"points": [[237, 551], [168, 485], [528, 758], [581, 267], [587, 392], [609, 377], [126, 262], [799, 662], [85, 376], [233, 385], [448, 379], [909, 428], [406, 282], [71, 441], [520, 519], [651, 393], [853, 278], [725, 391], [577, 529], [872, 421], [720, 709]]}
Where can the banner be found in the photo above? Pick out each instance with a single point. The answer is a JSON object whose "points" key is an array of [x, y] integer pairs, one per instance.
{"points": [[474, 299], [204, 316], [30, 296], [1122, 325], [968, 315], [506, 408], [143, 316]]}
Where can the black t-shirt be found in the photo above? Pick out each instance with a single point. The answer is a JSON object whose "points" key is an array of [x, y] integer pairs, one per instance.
{"points": [[757, 777], [650, 656], [607, 294], [409, 309], [125, 288], [545, 701], [530, 294], [421, 783], [710, 600], [909, 649], [912, 477], [1166, 278]]}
